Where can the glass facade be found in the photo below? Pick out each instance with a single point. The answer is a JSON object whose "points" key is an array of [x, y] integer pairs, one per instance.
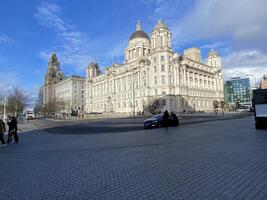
{"points": [[237, 91]]}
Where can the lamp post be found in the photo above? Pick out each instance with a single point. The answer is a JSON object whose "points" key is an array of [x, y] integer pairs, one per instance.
{"points": [[255, 79]]}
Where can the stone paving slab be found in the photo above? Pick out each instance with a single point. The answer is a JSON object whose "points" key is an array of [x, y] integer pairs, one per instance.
{"points": [[213, 160]]}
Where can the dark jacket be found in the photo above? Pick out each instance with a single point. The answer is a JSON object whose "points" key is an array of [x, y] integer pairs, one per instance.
{"points": [[175, 119], [165, 118], [12, 125], [2, 127]]}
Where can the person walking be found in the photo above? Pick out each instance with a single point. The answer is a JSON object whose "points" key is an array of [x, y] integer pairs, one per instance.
{"points": [[12, 130], [165, 119], [2, 132]]}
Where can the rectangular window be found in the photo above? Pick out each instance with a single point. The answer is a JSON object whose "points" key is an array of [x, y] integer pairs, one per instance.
{"points": [[164, 102], [163, 79], [163, 92], [162, 68], [155, 68], [162, 58], [155, 79], [155, 59], [156, 91]]}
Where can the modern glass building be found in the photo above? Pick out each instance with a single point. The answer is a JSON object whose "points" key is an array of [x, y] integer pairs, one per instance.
{"points": [[237, 91]]}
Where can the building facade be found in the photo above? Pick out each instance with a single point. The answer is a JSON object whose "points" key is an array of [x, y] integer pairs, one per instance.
{"points": [[53, 76], [263, 83], [237, 91], [152, 70], [70, 92]]}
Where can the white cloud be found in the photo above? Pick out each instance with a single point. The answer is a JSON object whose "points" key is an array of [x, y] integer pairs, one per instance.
{"points": [[8, 80], [245, 63], [5, 39], [166, 9], [237, 29], [48, 15], [244, 22], [215, 45], [73, 44]]}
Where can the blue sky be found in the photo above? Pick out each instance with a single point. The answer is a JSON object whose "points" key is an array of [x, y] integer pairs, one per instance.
{"points": [[81, 31]]}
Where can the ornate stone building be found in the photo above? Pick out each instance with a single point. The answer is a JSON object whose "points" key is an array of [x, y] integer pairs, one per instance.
{"points": [[70, 91], [263, 83], [152, 70], [53, 76]]}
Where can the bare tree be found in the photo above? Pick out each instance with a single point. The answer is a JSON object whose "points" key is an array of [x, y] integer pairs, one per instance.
{"points": [[60, 105], [17, 101], [49, 109], [153, 106], [222, 105], [216, 104]]}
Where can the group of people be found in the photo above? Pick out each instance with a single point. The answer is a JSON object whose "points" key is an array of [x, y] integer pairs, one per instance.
{"points": [[169, 119], [12, 131]]}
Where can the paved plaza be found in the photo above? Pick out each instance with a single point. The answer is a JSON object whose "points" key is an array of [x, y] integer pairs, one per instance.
{"points": [[223, 159]]}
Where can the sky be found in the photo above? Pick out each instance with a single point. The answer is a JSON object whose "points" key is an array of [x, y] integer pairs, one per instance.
{"points": [[82, 31]]}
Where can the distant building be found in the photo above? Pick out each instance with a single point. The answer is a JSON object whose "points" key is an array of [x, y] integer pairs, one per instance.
{"points": [[263, 84], [64, 94], [40, 97], [237, 91], [53, 76], [70, 92], [152, 70]]}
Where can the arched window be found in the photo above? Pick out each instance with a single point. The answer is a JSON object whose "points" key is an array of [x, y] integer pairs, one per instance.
{"points": [[161, 41]]}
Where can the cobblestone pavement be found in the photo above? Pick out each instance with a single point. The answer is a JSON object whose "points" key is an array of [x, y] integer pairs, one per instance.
{"points": [[212, 160]]}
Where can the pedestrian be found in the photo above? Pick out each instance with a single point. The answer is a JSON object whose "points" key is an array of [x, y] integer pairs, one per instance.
{"points": [[165, 119], [175, 119], [12, 130], [2, 132]]}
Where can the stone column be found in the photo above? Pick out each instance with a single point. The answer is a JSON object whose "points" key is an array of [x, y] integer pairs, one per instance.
{"points": [[184, 76], [194, 83]]}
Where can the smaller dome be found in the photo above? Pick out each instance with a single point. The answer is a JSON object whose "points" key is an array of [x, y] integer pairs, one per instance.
{"points": [[213, 53], [139, 33], [159, 25]]}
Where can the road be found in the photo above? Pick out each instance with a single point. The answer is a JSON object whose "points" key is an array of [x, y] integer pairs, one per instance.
{"points": [[214, 160]]}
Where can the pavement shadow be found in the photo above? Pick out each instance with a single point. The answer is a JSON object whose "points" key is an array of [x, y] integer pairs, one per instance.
{"points": [[94, 129]]}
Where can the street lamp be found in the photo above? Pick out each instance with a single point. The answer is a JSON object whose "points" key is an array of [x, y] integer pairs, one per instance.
{"points": [[255, 79]]}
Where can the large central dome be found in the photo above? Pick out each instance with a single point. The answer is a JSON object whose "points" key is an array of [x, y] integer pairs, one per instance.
{"points": [[139, 33]]}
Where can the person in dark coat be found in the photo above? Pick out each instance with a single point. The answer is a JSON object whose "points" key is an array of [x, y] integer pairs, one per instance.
{"points": [[2, 132], [165, 119], [175, 119], [12, 130]]}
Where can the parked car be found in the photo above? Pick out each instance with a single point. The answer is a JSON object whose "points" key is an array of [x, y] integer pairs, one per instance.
{"points": [[156, 121]]}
